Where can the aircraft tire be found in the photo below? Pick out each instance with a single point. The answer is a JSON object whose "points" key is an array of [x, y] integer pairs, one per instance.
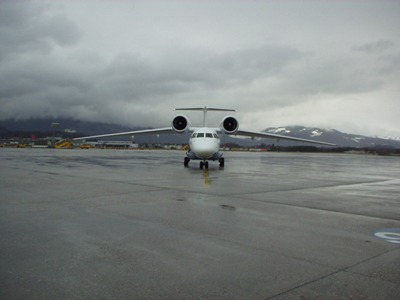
{"points": [[201, 165], [222, 162], [186, 161], [206, 164]]}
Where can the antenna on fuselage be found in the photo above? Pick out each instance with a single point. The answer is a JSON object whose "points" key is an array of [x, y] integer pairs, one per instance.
{"points": [[205, 109]]}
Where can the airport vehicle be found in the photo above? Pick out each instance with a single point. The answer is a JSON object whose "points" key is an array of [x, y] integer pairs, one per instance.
{"points": [[204, 142]]}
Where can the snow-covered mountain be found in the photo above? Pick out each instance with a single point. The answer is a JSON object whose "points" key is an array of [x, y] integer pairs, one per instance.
{"points": [[334, 136], [393, 138]]}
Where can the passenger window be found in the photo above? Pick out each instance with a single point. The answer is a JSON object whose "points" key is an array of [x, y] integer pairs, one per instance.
{"points": [[209, 135]]}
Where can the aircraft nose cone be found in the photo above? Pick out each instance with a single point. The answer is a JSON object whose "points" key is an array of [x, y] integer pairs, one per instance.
{"points": [[204, 154], [203, 151]]}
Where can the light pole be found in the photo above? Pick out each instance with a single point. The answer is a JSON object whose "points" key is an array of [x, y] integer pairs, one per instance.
{"points": [[54, 125]]}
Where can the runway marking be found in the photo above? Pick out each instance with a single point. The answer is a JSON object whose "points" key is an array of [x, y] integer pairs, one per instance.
{"points": [[391, 235], [206, 177]]}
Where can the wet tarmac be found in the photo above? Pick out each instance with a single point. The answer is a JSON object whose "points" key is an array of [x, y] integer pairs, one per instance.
{"points": [[113, 224]]}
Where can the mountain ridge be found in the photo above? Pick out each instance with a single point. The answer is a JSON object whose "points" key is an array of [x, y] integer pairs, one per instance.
{"points": [[331, 135], [73, 128]]}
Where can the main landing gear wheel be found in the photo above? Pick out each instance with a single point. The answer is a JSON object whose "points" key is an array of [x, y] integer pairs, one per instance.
{"points": [[222, 162], [204, 164], [186, 161]]}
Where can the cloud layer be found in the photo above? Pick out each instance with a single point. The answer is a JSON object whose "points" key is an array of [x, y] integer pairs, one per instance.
{"points": [[279, 63]]}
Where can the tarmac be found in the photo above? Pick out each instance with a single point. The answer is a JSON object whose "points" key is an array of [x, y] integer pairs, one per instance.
{"points": [[134, 224]]}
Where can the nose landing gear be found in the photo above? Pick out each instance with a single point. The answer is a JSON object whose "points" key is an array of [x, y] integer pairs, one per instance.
{"points": [[204, 164]]}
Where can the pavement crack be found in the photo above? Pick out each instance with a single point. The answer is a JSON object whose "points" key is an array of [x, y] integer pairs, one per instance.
{"points": [[344, 269]]}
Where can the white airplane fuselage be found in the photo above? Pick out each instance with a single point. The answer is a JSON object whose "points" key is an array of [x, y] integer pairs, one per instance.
{"points": [[204, 144]]}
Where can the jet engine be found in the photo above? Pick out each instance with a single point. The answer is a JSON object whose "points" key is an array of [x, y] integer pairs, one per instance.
{"points": [[230, 125], [180, 123]]}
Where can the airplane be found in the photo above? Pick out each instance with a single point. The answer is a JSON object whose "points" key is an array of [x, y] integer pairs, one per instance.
{"points": [[204, 142]]}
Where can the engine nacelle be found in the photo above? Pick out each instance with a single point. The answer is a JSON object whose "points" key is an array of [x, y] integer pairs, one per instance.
{"points": [[180, 123], [230, 125]]}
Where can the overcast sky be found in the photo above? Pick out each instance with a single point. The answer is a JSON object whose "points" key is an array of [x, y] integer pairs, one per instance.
{"points": [[320, 63]]}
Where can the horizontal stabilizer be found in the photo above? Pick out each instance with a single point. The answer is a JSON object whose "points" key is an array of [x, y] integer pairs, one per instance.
{"points": [[206, 109]]}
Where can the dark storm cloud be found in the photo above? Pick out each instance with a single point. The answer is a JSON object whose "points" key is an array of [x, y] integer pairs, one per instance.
{"points": [[250, 64], [386, 55], [377, 47], [37, 80], [208, 70], [335, 76], [26, 29], [68, 60], [32, 77]]}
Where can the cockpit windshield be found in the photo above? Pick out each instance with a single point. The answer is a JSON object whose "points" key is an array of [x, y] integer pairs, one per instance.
{"points": [[204, 134]]}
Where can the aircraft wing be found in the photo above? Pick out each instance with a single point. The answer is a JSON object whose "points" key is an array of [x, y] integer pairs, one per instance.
{"points": [[278, 137], [137, 132]]}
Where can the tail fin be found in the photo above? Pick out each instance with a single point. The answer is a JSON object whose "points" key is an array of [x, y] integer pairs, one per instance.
{"points": [[205, 109]]}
